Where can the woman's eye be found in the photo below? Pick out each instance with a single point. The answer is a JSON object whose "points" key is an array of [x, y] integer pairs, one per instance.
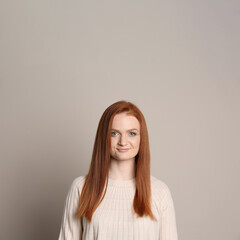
{"points": [[133, 133]]}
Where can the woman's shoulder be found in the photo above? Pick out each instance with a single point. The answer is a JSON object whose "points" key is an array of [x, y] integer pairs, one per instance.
{"points": [[79, 179], [159, 183], [162, 196], [160, 188], [78, 183]]}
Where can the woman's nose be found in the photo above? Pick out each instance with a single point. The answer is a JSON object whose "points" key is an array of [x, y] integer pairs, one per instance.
{"points": [[122, 140]]}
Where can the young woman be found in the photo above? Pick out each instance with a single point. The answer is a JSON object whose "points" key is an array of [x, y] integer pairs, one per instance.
{"points": [[119, 198]]}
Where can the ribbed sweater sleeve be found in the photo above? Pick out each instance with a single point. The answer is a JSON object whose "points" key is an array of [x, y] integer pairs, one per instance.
{"points": [[168, 227], [71, 226]]}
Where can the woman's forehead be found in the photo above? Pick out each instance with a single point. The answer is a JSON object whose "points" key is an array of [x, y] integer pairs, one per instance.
{"points": [[125, 121]]}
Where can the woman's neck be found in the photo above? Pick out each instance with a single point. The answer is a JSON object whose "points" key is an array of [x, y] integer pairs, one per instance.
{"points": [[122, 169]]}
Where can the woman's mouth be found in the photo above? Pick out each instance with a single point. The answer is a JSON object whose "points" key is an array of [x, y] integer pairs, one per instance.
{"points": [[122, 149]]}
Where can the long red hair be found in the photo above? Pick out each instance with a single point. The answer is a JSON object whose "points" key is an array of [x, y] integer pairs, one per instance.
{"points": [[97, 176]]}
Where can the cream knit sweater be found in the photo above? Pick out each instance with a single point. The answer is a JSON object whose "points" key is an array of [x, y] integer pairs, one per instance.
{"points": [[114, 219]]}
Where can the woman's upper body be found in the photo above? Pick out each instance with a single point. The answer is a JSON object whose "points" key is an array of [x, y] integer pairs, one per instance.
{"points": [[115, 219], [121, 155]]}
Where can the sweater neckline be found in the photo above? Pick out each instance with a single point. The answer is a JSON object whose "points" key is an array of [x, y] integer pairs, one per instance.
{"points": [[122, 183]]}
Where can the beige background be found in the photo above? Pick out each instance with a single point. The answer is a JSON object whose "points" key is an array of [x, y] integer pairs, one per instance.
{"points": [[63, 62]]}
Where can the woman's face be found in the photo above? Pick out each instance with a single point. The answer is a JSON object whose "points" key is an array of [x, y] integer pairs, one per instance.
{"points": [[125, 134]]}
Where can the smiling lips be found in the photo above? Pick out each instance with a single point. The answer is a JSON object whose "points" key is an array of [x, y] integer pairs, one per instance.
{"points": [[122, 149]]}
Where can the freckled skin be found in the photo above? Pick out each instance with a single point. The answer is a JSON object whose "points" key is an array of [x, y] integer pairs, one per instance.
{"points": [[124, 137]]}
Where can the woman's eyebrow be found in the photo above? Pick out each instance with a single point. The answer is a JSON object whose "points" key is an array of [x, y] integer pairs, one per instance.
{"points": [[127, 130]]}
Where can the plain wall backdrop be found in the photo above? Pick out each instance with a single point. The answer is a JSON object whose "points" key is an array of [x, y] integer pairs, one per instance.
{"points": [[62, 63]]}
